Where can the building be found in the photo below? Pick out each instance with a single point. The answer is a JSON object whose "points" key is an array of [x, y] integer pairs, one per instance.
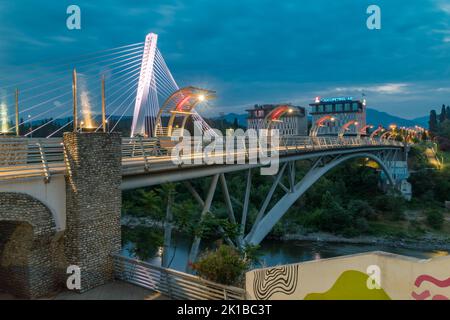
{"points": [[341, 111], [288, 119]]}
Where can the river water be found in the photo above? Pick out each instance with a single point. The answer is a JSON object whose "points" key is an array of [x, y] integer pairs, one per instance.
{"points": [[276, 252]]}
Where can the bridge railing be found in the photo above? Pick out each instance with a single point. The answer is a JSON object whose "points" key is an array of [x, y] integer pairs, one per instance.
{"points": [[172, 283], [23, 157]]}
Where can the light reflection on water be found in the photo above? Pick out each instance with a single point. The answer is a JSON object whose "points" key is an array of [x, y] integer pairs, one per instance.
{"points": [[276, 252]]}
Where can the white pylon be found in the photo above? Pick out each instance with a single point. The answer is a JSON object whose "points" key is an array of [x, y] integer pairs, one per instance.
{"points": [[145, 78]]}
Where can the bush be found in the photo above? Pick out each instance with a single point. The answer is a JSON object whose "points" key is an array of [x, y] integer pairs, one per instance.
{"points": [[392, 206], [224, 265], [435, 218], [361, 209]]}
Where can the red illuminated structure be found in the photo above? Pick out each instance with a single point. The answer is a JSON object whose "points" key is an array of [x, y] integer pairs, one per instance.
{"points": [[177, 109], [288, 119]]}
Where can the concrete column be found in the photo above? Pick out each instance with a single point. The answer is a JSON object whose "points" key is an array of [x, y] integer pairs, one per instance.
{"points": [[94, 202]]}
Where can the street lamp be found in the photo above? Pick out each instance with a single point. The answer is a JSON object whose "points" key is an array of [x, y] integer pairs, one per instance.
{"points": [[31, 126]]}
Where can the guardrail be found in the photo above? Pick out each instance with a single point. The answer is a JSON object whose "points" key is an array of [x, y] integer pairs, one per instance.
{"points": [[172, 283], [25, 157]]}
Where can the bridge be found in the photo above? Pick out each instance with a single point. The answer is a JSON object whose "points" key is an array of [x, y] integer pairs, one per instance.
{"points": [[60, 198]]}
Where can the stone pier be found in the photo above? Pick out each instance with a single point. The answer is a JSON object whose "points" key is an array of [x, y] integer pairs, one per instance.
{"points": [[94, 203]]}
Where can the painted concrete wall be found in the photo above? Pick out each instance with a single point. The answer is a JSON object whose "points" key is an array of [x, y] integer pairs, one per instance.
{"points": [[371, 276]]}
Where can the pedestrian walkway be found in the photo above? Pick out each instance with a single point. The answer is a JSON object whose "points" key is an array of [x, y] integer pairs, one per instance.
{"points": [[117, 290]]}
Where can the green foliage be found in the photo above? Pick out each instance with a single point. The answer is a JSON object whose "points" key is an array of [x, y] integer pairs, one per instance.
{"points": [[145, 241], [435, 218], [225, 265], [444, 129], [361, 208], [428, 185], [391, 206], [252, 253]]}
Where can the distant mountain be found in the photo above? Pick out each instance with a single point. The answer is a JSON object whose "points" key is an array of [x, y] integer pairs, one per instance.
{"points": [[373, 116], [422, 121], [385, 119]]}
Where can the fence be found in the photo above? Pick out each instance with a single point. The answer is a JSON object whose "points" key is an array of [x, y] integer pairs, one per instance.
{"points": [[174, 284], [24, 157]]}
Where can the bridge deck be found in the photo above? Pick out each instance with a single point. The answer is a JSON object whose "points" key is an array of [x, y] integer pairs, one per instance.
{"points": [[142, 158]]}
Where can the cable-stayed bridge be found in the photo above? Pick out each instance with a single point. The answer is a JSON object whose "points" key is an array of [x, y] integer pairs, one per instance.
{"points": [[69, 189], [137, 78]]}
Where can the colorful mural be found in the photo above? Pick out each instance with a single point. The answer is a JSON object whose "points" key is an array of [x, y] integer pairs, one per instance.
{"points": [[351, 285], [275, 280], [369, 276], [426, 293]]}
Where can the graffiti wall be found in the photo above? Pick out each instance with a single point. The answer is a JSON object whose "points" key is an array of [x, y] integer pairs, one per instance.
{"points": [[369, 276]]}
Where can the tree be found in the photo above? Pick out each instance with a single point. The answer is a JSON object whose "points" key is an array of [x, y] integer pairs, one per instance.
{"points": [[433, 124], [444, 129], [435, 219], [447, 112], [235, 123], [442, 116], [224, 265]]}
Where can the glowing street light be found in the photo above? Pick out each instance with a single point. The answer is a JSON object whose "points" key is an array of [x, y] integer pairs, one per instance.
{"points": [[201, 97]]}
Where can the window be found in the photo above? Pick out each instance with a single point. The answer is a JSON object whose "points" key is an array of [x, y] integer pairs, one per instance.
{"points": [[347, 107], [329, 108], [339, 107], [320, 108], [355, 106]]}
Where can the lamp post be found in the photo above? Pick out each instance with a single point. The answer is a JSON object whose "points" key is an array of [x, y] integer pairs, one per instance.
{"points": [[319, 123], [31, 125]]}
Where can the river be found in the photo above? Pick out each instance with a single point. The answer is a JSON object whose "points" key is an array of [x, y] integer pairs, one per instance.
{"points": [[276, 252]]}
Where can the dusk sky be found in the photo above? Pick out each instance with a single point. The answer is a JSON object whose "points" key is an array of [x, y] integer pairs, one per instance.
{"points": [[257, 51]]}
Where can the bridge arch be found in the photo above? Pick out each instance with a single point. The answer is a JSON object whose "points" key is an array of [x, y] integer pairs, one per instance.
{"points": [[281, 207], [181, 104], [30, 254]]}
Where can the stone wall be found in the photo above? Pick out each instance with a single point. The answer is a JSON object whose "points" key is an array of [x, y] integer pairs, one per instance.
{"points": [[93, 204], [13, 151], [31, 259]]}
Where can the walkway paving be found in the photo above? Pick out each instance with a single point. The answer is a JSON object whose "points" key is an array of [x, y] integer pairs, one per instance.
{"points": [[117, 290]]}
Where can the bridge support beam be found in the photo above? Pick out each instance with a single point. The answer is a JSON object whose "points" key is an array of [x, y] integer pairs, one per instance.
{"points": [[94, 202]]}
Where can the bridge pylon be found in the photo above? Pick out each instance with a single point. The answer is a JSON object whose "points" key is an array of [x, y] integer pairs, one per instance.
{"points": [[146, 87]]}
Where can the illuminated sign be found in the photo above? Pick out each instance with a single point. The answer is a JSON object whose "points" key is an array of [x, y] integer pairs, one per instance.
{"points": [[340, 99]]}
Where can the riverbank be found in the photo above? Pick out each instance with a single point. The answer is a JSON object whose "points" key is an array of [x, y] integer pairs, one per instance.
{"points": [[429, 242]]}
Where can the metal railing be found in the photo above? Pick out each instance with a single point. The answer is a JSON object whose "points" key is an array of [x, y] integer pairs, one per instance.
{"points": [[25, 157], [172, 283]]}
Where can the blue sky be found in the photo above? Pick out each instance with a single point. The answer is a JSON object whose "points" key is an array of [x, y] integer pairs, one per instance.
{"points": [[258, 51]]}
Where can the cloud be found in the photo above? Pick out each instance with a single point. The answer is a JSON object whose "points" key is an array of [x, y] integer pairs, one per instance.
{"points": [[256, 51], [388, 88]]}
